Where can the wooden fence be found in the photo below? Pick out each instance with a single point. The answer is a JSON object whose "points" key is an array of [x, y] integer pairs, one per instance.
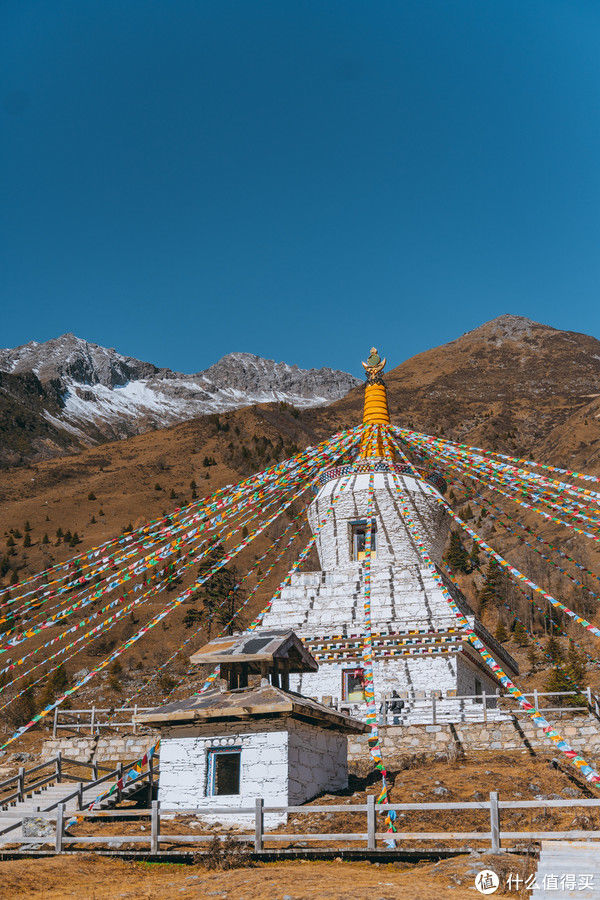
{"points": [[96, 718], [432, 709], [259, 838]]}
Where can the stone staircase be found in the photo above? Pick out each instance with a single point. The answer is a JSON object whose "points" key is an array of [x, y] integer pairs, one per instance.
{"points": [[565, 867], [47, 798], [53, 792]]}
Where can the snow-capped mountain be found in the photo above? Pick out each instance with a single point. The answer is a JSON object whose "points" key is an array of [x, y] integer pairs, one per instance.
{"points": [[103, 394]]}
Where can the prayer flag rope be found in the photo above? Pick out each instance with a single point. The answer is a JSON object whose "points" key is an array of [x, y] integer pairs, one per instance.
{"points": [[338, 444], [578, 761]]}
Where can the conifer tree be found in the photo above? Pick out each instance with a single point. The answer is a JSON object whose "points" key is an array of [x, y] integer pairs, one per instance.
{"points": [[491, 591], [532, 656], [501, 634], [554, 649], [520, 634], [457, 557]]}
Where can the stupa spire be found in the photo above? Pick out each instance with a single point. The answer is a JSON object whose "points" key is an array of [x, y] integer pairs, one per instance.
{"points": [[376, 410]]}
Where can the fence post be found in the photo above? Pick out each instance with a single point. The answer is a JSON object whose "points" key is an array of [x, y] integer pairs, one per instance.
{"points": [[55, 721], [59, 766], [535, 698], [119, 777], [95, 769], [588, 694], [80, 795], [371, 822], [21, 783], [484, 700], [92, 720], [134, 722], [494, 821], [60, 827], [154, 826], [259, 824]]}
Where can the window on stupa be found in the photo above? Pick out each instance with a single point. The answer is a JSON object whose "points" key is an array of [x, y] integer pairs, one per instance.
{"points": [[358, 540], [353, 685], [223, 772]]}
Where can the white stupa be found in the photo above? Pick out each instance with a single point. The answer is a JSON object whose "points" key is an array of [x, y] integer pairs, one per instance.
{"points": [[418, 648]]}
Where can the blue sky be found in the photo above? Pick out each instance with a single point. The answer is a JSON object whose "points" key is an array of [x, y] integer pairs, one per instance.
{"points": [[296, 179]]}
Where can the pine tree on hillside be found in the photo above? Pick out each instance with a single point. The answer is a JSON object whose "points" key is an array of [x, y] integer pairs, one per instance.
{"points": [[532, 656], [457, 556], [554, 649], [561, 680], [218, 595], [501, 634], [492, 590], [520, 634]]}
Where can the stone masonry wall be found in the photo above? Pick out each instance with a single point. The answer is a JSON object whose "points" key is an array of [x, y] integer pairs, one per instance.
{"points": [[263, 772], [317, 762], [582, 732], [121, 747]]}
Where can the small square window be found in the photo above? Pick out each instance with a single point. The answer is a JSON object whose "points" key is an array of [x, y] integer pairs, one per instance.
{"points": [[358, 540], [223, 772], [353, 685]]}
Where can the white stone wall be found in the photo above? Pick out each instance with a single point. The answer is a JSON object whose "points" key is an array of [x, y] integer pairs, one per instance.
{"points": [[263, 772], [416, 675], [466, 675], [318, 762], [394, 542]]}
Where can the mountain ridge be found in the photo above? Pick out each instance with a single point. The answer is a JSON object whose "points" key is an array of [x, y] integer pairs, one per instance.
{"points": [[99, 394]]}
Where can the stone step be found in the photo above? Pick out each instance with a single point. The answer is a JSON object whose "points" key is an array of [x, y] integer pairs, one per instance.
{"points": [[559, 859]]}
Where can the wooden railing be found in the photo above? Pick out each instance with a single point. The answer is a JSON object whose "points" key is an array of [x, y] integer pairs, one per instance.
{"points": [[92, 787], [95, 718], [259, 838], [435, 708], [16, 788]]}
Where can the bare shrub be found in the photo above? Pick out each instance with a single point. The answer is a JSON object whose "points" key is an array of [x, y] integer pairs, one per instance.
{"points": [[225, 853]]}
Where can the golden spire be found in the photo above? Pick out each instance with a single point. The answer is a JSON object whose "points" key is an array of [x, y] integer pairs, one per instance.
{"points": [[376, 410]]}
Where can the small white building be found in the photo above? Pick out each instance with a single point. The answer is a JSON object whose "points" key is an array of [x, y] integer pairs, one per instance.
{"points": [[248, 737]]}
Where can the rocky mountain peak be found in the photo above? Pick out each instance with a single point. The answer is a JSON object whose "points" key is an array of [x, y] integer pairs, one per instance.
{"points": [[71, 357], [506, 327]]}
